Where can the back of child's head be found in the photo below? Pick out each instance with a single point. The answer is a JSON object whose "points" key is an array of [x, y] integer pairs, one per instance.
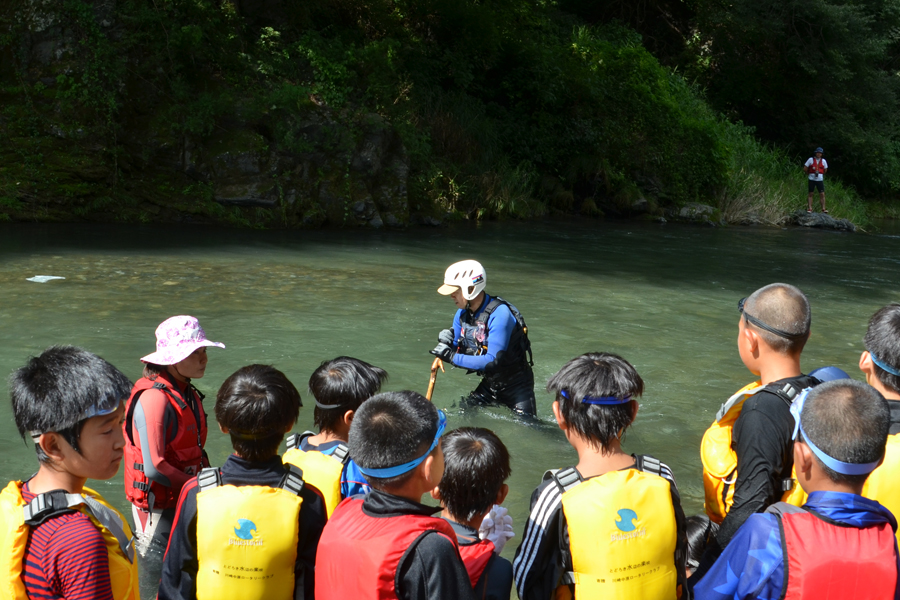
{"points": [[391, 429], [594, 392], [340, 385], [61, 389], [883, 343], [782, 307], [258, 404], [701, 532], [476, 463], [847, 420]]}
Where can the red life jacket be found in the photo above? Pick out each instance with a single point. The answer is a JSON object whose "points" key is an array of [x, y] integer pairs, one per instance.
{"points": [[826, 560], [476, 558], [186, 436], [373, 546], [817, 166]]}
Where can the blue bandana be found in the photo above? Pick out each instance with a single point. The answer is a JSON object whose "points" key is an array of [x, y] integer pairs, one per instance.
{"points": [[884, 366], [388, 472], [834, 464], [602, 400]]}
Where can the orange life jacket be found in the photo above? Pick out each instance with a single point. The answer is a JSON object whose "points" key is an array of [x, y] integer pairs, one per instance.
{"points": [[184, 450]]}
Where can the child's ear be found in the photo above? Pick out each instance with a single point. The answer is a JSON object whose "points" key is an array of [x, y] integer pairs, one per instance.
{"points": [[501, 494], [751, 338], [224, 429], [558, 414], [866, 365], [348, 417], [51, 444], [803, 460], [436, 493], [634, 410]]}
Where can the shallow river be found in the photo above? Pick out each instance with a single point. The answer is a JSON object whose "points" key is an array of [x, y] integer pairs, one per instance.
{"points": [[663, 296]]}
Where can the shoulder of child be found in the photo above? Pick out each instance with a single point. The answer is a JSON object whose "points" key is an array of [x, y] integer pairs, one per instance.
{"points": [[75, 560]]}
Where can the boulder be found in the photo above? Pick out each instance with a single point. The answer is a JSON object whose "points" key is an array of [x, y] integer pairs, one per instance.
{"points": [[820, 220]]}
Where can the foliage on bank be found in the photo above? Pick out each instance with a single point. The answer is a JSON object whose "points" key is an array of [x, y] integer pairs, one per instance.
{"points": [[330, 112]]}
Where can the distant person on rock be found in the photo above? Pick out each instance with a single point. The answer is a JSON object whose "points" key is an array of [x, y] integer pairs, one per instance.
{"points": [[816, 167], [490, 338]]}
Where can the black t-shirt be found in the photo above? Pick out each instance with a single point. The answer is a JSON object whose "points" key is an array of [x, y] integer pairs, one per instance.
{"points": [[765, 455]]}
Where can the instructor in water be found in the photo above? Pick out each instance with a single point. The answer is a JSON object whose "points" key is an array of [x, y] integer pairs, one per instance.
{"points": [[490, 338]]}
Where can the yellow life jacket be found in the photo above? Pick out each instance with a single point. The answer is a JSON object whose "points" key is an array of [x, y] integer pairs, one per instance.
{"points": [[718, 456], [322, 471], [247, 538], [17, 517], [621, 535]]}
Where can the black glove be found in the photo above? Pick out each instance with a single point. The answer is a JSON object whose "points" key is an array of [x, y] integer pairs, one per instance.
{"points": [[444, 352], [446, 337]]}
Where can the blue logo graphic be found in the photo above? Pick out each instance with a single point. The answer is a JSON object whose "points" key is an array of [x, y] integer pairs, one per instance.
{"points": [[245, 527], [626, 520]]}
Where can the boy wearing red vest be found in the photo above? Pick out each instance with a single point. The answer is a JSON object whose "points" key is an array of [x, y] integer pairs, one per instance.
{"points": [[476, 465], [839, 544], [387, 544]]}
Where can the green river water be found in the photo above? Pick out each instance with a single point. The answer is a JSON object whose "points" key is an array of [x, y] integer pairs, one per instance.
{"points": [[663, 296]]}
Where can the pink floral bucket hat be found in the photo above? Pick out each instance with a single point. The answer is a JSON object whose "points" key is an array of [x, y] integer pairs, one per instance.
{"points": [[176, 338]]}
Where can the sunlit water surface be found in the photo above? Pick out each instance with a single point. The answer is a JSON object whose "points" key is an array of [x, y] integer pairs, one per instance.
{"points": [[663, 296]]}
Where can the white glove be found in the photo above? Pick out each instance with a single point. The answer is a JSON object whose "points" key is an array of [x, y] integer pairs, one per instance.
{"points": [[497, 527]]}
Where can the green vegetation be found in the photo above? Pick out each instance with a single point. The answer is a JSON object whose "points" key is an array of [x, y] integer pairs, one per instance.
{"points": [[140, 111]]}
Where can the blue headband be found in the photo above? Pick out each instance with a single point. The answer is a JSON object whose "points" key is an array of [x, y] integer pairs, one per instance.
{"points": [[388, 472], [602, 400], [834, 464], [884, 366]]}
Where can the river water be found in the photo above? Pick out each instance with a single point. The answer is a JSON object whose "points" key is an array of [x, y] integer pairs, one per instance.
{"points": [[664, 296]]}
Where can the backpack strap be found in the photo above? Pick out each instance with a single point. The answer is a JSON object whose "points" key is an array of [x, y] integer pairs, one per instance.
{"points": [[292, 480], [209, 478], [51, 504]]}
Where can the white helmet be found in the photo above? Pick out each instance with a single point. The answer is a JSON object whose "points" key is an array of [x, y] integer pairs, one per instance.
{"points": [[466, 275]]}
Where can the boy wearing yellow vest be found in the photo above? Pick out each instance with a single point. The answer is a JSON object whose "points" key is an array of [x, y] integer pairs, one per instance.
{"points": [[881, 364], [388, 545], [339, 387], [59, 539], [747, 452], [839, 544], [612, 525], [250, 529]]}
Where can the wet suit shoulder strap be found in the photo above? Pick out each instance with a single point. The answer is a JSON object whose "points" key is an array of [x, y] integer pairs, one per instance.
{"points": [[157, 385]]}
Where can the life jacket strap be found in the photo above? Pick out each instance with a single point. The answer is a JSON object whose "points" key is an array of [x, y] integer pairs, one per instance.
{"points": [[293, 441], [567, 578], [567, 478], [648, 464], [140, 485], [293, 480], [57, 502], [209, 478], [341, 453]]}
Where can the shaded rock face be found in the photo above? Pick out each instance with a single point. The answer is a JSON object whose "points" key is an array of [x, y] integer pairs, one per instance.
{"points": [[346, 174], [312, 165], [695, 212], [822, 221]]}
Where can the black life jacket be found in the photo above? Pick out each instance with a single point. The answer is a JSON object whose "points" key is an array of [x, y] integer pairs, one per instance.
{"points": [[473, 339]]}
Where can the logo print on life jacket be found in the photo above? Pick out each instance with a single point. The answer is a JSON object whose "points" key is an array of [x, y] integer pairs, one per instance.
{"points": [[626, 519], [245, 529]]}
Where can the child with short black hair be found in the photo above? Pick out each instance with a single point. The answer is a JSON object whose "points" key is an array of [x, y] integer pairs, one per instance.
{"points": [[388, 544], [251, 528], [61, 539], [339, 387], [701, 533], [839, 544], [612, 525], [476, 466]]}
